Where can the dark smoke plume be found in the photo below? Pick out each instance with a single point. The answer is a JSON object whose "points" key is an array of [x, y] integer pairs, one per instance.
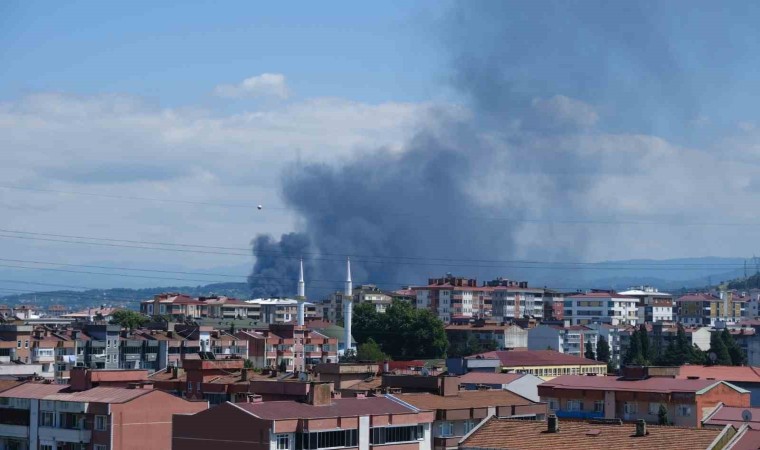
{"points": [[531, 74]]}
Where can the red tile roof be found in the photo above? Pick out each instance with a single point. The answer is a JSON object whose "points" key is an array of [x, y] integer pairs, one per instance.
{"points": [[61, 392], [742, 374], [514, 434], [489, 378], [749, 440], [344, 407], [699, 297], [534, 358], [464, 400], [655, 384], [731, 415], [601, 295]]}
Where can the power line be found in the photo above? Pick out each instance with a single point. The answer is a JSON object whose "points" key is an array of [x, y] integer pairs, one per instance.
{"points": [[208, 249]]}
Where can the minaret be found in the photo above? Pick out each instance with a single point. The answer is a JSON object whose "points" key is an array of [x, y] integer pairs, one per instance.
{"points": [[348, 307], [301, 296]]}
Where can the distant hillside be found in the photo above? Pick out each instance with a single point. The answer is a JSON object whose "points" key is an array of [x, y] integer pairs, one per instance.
{"points": [[123, 297]]}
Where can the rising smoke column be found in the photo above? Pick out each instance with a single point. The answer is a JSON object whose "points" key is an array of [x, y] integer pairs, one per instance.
{"points": [[530, 74]]}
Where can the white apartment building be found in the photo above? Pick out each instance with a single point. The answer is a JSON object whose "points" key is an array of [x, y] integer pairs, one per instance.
{"points": [[654, 306], [602, 307], [571, 340]]}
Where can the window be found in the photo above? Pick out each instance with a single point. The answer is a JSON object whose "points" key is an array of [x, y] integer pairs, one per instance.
{"points": [[445, 428], [684, 410], [575, 405], [327, 439], [100, 447], [47, 419], [46, 447], [26, 344], [630, 408], [389, 435], [198, 386], [101, 422], [469, 425], [283, 441], [189, 386], [18, 344], [599, 406], [654, 408]]}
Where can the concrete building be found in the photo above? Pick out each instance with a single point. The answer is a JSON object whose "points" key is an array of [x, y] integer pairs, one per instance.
{"points": [[321, 423], [611, 333], [515, 300], [454, 297], [332, 307], [545, 364], [601, 307], [570, 340], [504, 336], [288, 346], [282, 310], [459, 412], [706, 309], [580, 397], [97, 411], [745, 377], [654, 306], [522, 384]]}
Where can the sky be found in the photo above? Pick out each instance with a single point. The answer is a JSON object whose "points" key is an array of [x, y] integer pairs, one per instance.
{"points": [[566, 131]]}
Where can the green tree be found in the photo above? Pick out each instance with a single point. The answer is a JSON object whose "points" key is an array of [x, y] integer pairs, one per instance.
{"points": [[370, 351], [646, 351], [247, 364], [662, 415], [589, 353], [603, 350], [734, 351], [403, 331], [633, 354], [719, 350], [128, 319]]}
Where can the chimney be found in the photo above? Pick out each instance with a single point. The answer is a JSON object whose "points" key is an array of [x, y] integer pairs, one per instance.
{"points": [[448, 386], [552, 424], [641, 428], [386, 367], [320, 394], [244, 375]]}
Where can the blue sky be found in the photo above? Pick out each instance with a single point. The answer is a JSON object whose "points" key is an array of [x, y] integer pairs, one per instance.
{"points": [[176, 51], [636, 111]]}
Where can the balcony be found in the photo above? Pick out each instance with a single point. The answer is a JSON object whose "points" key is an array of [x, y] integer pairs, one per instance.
{"points": [[584, 415], [14, 431], [441, 443], [43, 355], [65, 434]]}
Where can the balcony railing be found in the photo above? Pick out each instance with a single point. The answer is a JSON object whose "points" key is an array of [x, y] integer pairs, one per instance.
{"points": [[579, 414], [65, 434]]}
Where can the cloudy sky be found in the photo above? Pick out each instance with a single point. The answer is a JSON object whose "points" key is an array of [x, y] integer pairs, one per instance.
{"points": [[561, 131]]}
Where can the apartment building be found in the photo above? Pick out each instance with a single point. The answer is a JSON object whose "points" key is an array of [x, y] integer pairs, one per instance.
{"points": [[89, 415], [653, 306], [515, 300], [602, 307], [505, 336], [459, 412], [554, 306], [611, 333], [454, 297], [509, 434], [706, 309], [289, 346], [332, 307], [322, 422], [686, 400], [542, 363], [282, 310], [570, 340]]}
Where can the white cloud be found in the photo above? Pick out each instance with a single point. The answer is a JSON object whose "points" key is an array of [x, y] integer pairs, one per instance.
{"points": [[566, 111], [264, 85]]}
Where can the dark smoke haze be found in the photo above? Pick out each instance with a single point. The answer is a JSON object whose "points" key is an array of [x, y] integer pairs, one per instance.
{"points": [[538, 79]]}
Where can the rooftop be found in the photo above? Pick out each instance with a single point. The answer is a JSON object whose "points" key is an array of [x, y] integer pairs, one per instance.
{"points": [[464, 400], [737, 374], [343, 407], [697, 297], [489, 378], [731, 415], [535, 358], [61, 392], [600, 295], [655, 384], [501, 434]]}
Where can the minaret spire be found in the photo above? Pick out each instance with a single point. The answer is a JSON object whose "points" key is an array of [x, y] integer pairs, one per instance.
{"points": [[301, 282], [349, 287]]}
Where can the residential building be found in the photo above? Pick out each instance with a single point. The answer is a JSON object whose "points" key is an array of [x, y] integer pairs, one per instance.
{"points": [[581, 397], [321, 423], [522, 384], [332, 307], [654, 306], [452, 297], [288, 346], [746, 377], [345, 375], [602, 307], [459, 412], [570, 340], [282, 310], [89, 414], [503, 335], [708, 310], [554, 305], [515, 300], [542, 363], [173, 305], [611, 333], [723, 415], [101, 314], [509, 434]]}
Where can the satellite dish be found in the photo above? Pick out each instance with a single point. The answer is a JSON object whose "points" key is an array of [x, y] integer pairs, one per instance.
{"points": [[747, 415], [713, 356], [259, 207], [425, 372]]}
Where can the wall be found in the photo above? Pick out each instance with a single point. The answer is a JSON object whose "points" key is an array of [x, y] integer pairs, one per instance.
{"points": [[145, 423], [225, 427]]}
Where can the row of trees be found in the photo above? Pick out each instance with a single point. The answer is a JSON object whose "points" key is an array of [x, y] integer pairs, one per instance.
{"points": [[643, 350], [401, 332], [602, 352]]}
